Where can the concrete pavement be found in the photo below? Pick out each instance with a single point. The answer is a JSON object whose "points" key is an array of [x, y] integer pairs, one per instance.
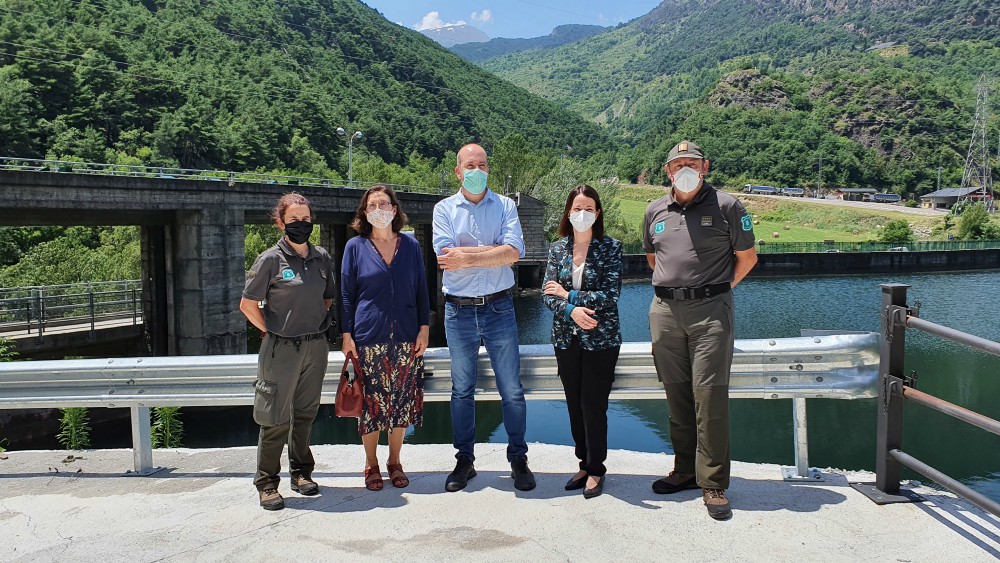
{"points": [[202, 507]]}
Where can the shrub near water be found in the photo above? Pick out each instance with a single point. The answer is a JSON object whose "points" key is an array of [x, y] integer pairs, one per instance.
{"points": [[167, 429], [74, 433]]}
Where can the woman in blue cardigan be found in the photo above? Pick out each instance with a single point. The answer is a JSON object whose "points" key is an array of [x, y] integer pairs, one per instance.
{"points": [[385, 323], [582, 285]]}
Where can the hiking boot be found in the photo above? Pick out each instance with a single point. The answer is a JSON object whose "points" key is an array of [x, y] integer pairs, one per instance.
{"points": [[459, 478], [717, 503], [674, 482], [524, 479], [271, 500], [304, 485]]}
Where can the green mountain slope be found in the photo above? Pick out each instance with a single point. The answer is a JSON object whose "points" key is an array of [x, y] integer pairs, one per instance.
{"points": [[499, 46], [883, 90], [248, 84]]}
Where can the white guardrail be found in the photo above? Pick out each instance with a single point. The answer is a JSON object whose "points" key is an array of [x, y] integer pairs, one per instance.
{"points": [[817, 365]]}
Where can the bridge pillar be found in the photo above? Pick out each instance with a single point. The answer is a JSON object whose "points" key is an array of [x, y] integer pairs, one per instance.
{"points": [[424, 235], [192, 283], [208, 261]]}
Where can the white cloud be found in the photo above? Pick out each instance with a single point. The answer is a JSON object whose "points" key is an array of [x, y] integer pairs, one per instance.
{"points": [[433, 21], [485, 16]]}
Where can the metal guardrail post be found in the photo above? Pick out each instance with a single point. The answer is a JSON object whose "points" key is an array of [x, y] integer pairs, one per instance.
{"points": [[40, 312], [800, 433], [890, 413], [142, 442], [135, 310], [93, 313], [889, 432]]}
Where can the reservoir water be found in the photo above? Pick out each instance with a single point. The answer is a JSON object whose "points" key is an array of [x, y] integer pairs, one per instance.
{"points": [[841, 433]]}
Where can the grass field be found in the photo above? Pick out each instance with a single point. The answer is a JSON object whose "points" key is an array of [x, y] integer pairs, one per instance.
{"points": [[796, 220]]}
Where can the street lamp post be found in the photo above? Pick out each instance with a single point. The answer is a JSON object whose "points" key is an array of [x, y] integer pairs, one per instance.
{"points": [[350, 153]]}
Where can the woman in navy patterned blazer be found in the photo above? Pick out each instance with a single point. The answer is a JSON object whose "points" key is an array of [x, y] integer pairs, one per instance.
{"points": [[582, 285]]}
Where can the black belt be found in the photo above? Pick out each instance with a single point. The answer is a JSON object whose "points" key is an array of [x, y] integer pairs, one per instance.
{"points": [[482, 300], [688, 293], [299, 339]]}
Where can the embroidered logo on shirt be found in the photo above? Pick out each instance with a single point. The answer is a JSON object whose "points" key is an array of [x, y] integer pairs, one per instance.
{"points": [[747, 222], [287, 274], [706, 221], [659, 227]]}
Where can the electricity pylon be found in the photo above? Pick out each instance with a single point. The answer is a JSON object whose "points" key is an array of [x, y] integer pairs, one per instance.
{"points": [[977, 172]]}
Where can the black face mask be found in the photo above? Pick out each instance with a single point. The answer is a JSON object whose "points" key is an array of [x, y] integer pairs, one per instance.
{"points": [[298, 231]]}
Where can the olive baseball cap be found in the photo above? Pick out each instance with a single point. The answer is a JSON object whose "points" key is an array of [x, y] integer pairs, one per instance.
{"points": [[685, 149]]}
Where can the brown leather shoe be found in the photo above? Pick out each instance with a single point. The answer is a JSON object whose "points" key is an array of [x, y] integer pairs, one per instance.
{"points": [[717, 503], [304, 485], [675, 482], [271, 500]]}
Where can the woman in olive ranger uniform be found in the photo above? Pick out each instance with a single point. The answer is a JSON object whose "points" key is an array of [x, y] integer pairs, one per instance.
{"points": [[288, 293], [582, 285]]}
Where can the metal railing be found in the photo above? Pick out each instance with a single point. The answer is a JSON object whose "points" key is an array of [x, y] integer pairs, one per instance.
{"points": [[895, 389], [834, 366], [869, 246], [36, 309], [171, 173]]}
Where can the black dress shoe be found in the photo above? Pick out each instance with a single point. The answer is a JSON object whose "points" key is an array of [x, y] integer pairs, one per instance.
{"points": [[596, 491], [459, 478], [575, 484], [524, 479], [674, 483]]}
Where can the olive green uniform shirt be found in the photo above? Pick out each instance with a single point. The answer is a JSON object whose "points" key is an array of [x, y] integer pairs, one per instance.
{"points": [[695, 243], [292, 289]]}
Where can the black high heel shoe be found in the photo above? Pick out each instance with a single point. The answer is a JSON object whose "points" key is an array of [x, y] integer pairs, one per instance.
{"points": [[575, 484], [596, 491]]}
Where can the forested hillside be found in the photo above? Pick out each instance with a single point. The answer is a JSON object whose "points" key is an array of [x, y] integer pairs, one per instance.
{"points": [[882, 91], [499, 46], [247, 85]]}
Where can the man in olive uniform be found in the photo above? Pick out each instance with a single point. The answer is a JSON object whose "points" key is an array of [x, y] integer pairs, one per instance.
{"points": [[699, 242]]}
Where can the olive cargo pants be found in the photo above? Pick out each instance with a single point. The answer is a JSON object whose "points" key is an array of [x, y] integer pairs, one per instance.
{"points": [[288, 387], [693, 353]]}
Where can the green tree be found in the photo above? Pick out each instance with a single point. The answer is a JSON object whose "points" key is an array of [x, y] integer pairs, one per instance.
{"points": [[974, 223], [896, 230]]}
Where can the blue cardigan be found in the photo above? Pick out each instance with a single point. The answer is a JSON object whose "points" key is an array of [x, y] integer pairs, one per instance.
{"points": [[375, 296]]}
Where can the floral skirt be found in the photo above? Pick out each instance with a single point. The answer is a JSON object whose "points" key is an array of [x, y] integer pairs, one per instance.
{"points": [[394, 387]]}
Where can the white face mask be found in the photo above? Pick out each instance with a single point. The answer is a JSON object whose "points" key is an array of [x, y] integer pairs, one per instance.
{"points": [[582, 220], [381, 218], [686, 180]]}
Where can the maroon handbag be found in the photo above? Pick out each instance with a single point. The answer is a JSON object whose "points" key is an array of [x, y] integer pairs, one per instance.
{"points": [[350, 391]]}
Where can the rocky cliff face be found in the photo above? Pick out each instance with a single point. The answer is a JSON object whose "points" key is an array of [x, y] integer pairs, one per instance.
{"points": [[749, 88]]}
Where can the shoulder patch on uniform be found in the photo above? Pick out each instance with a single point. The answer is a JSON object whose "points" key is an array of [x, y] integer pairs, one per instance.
{"points": [[251, 274], [659, 227], [287, 274], [747, 222]]}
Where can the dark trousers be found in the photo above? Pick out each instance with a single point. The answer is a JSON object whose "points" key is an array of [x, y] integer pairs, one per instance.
{"points": [[693, 354], [289, 383], [586, 377]]}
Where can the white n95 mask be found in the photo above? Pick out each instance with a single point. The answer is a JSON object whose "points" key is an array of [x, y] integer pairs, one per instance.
{"points": [[687, 180], [582, 220]]}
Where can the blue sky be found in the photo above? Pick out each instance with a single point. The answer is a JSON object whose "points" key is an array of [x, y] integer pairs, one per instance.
{"points": [[510, 18]]}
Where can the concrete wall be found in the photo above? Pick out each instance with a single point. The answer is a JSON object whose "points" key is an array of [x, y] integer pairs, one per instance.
{"points": [[811, 264]]}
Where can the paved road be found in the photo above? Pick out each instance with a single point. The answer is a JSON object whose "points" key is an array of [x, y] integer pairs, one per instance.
{"points": [[857, 205], [202, 507]]}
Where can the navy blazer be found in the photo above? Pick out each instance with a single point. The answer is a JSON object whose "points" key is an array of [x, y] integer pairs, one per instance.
{"points": [[601, 286]]}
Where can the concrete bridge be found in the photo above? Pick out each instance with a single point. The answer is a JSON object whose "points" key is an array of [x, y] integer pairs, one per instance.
{"points": [[193, 234]]}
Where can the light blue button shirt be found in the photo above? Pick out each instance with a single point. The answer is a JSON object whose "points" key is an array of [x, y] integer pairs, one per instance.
{"points": [[491, 222]]}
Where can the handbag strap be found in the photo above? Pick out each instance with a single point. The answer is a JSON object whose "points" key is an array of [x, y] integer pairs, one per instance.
{"points": [[350, 358]]}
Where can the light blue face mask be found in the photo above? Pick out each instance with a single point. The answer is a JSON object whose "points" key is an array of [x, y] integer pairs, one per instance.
{"points": [[474, 181]]}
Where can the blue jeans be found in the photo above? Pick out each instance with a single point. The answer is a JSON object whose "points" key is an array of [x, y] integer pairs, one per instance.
{"points": [[494, 325]]}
